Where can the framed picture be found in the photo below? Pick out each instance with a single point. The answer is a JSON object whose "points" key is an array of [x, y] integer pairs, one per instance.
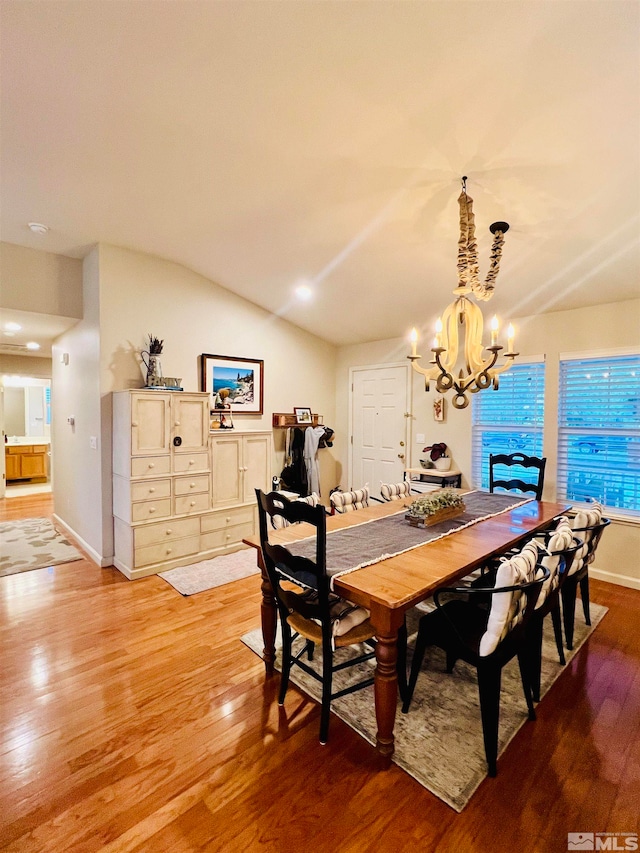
{"points": [[235, 383], [438, 409], [303, 415]]}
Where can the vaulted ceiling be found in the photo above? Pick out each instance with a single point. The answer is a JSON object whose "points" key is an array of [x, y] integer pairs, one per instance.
{"points": [[265, 144]]}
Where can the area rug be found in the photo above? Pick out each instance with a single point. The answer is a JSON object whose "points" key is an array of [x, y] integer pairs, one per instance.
{"points": [[439, 742], [211, 573], [33, 543]]}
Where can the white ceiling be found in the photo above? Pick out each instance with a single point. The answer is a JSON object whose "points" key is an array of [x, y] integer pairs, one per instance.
{"points": [[266, 143]]}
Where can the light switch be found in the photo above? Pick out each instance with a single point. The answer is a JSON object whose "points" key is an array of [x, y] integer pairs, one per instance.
{"points": [[93, 442], [420, 438]]}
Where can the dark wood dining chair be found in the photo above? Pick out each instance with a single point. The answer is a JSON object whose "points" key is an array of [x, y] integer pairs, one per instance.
{"points": [[589, 526], [306, 606], [485, 637], [501, 480]]}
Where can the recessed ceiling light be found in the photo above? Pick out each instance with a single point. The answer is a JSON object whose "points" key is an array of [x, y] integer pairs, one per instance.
{"points": [[304, 292], [12, 327], [33, 345], [38, 228]]}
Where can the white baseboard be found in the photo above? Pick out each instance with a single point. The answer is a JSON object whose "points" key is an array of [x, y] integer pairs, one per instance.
{"points": [[609, 577], [97, 558]]}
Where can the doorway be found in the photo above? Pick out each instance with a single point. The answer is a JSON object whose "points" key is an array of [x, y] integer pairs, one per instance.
{"points": [[25, 414], [379, 411]]}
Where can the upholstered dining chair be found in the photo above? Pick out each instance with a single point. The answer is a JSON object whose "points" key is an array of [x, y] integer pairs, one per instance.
{"points": [[588, 525], [486, 638], [395, 491], [502, 480], [350, 501], [306, 606], [558, 549]]}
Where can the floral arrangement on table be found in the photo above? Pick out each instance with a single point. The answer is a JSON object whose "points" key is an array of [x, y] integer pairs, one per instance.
{"points": [[434, 507]]}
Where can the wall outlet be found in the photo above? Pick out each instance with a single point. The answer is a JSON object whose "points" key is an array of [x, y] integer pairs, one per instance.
{"points": [[420, 438], [93, 442]]}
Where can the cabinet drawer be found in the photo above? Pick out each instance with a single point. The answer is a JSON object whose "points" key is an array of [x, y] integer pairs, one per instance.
{"points": [[226, 518], [227, 536], [191, 504], [151, 534], [191, 485], [166, 551], [150, 466], [151, 490], [147, 510], [40, 448], [190, 462], [20, 448]]}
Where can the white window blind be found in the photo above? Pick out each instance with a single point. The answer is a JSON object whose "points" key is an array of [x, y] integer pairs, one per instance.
{"points": [[509, 420], [599, 431]]}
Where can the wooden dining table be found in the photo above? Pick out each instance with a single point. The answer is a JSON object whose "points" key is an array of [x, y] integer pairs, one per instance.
{"points": [[389, 587]]}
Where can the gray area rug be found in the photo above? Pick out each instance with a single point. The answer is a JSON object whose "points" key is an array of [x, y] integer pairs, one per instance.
{"points": [[33, 543], [208, 574], [439, 742]]}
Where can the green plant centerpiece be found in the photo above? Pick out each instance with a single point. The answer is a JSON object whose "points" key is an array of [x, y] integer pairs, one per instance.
{"points": [[434, 507]]}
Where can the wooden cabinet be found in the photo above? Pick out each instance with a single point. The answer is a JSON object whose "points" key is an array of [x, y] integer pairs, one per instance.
{"points": [[180, 495], [240, 464], [26, 461]]}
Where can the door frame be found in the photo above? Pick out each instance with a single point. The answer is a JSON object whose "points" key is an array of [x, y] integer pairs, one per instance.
{"points": [[408, 415]]}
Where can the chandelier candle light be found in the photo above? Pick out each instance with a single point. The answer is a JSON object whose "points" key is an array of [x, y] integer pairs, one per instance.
{"points": [[478, 371]]}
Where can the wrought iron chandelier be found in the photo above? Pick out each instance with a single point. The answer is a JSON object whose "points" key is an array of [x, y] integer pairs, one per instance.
{"points": [[478, 371]]}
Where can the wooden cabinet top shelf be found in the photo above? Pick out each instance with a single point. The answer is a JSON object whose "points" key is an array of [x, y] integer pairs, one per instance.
{"points": [[285, 420]]}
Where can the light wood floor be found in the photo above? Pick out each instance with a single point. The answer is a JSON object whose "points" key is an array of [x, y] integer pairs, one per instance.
{"points": [[133, 719]]}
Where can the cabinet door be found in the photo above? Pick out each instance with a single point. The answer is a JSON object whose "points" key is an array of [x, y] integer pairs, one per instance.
{"points": [[34, 465], [227, 470], [150, 423], [13, 466], [256, 465], [190, 416]]}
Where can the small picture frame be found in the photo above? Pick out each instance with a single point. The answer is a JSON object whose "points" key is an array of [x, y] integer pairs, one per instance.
{"points": [[438, 408], [303, 415]]}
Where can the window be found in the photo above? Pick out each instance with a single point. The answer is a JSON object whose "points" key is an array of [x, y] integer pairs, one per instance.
{"points": [[509, 420], [599, 431]]}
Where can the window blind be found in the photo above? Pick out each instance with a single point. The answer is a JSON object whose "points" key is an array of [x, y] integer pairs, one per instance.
{"points": [[509, 420], [599, 431]]}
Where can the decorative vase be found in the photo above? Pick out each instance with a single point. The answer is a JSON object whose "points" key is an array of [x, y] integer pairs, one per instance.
{"points": [[442, 464]]}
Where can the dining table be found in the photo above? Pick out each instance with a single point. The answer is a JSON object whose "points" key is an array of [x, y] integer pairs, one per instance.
{"points": [[389, 586]]}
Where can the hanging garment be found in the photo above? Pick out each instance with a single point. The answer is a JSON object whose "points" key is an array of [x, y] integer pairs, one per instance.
{"points": [[294, 475], [312, 438]]}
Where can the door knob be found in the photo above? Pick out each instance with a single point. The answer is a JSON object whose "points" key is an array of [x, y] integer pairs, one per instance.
{"points": [[400, 455], [402, 444]]}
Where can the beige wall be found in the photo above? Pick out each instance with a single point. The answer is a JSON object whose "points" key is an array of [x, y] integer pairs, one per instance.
{"points": [[129, 295], [40, 281], [601, 327], [25, 365]]}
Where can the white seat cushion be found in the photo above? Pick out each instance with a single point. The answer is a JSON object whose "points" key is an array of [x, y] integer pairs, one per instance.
{"points": [[350, 501], [395, 491]]}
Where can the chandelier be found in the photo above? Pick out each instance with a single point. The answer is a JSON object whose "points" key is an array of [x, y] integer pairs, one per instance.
{"points": [[478, 370]]}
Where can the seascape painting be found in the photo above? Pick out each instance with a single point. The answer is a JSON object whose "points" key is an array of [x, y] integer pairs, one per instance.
{"points": [[233, 383]]}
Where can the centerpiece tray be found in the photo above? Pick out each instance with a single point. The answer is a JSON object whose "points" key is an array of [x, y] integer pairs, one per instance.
{"points": [[433, 508]]}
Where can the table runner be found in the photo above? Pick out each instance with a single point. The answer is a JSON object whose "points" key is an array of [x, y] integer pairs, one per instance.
{"points": [[352, 548]]}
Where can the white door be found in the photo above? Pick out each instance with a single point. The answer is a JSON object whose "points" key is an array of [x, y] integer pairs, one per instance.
{"points": [[379, 403]]}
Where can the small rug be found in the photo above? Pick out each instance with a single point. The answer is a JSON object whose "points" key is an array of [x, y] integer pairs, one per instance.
{"points": [[33, 543], [439, 742], [211, 573]]}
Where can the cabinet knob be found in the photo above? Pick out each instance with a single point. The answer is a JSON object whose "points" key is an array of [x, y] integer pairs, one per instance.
{"points": [[152, 509], [134, 423], [176, 423], [152, 464], [168, 531], [151, 490], [193, 503], [169, 550], [192, 462], [228, 518], [192, 485], [228, 536]]}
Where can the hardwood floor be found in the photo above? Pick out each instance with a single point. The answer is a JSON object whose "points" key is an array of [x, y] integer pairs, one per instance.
{"points": [[133, 719]]}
